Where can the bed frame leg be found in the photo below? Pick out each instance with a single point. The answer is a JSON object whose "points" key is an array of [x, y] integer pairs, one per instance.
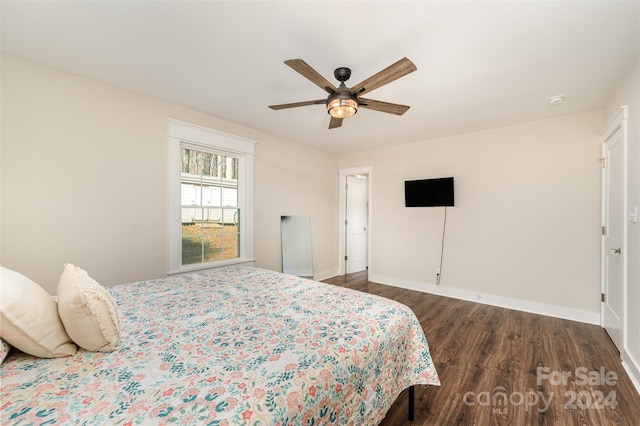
{"points": [[411, 402]]}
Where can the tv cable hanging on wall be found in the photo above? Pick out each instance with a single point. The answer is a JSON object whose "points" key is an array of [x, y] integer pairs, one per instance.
{"points": [[444, 226]]}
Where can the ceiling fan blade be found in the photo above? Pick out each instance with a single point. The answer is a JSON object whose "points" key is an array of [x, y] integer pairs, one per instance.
{"points": [[303, 68], [335, 122], [298, 104], [393, 72], [396, 109]]}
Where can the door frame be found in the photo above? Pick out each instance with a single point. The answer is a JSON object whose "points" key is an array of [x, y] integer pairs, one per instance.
{"points": [[342, 196], [617, 122]]}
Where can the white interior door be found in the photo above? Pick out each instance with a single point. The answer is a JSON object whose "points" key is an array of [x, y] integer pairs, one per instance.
{"points": [[356, 225], [613, 250]]}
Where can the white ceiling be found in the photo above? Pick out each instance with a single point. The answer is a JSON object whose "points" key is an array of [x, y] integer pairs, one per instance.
{"points": [[480, 64]]}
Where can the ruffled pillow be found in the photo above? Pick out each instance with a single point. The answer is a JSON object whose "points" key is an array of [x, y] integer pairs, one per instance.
{"points": [[88, 311]]}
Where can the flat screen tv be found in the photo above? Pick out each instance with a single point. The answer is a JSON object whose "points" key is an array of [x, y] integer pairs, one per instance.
{"points": [[429, 192]]}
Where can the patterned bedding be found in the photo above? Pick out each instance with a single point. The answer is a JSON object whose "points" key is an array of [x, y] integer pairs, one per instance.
{"points": [[230, 346]]}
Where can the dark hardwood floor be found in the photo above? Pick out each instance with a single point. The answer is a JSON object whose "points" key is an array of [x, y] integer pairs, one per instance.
{"points": [[488, 360]]}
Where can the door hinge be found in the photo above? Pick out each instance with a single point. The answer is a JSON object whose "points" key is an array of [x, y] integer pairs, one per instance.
{"points": [[603, 162], [602, 297], [345, 258], [604, 230], [346, 221]]}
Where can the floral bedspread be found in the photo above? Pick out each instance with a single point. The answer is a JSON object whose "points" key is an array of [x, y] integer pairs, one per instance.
{"points": [[230, 346]]}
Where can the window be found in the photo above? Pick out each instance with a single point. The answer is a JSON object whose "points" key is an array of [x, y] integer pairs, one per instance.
{"points": [[209, 206], [211, 192]]}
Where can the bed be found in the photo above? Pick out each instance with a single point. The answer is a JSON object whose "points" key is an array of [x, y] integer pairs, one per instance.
{"points": [[230, 346]]}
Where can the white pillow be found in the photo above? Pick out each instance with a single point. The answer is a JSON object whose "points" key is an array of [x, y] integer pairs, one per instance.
{"points": [[87, 310], [29, 318]]}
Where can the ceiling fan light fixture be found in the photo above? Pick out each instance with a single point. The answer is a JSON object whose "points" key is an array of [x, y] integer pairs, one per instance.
{"points": [[340, 107]]}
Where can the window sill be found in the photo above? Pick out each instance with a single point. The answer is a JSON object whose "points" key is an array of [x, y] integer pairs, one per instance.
{"points": [[211, 265]]}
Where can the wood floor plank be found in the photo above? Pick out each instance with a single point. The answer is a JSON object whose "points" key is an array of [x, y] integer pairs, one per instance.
{"points": [[488, 359]]}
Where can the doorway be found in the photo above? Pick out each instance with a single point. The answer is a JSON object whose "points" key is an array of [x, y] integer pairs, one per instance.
{"points": [[355, 219], [613, 247], [356, 223]]}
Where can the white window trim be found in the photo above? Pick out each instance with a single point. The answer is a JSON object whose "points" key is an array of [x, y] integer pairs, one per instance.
{"points": [[242, 148]]}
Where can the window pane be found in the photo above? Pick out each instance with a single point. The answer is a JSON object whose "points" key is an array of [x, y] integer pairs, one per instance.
{"points": [[191, 247], [211, 217], [230, 196], [190, 215], [231, 220], [213, 195], [213, 247], [231, 246]]}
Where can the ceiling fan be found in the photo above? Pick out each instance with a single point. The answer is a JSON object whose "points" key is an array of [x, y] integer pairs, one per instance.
{"points": [[344, 102]]}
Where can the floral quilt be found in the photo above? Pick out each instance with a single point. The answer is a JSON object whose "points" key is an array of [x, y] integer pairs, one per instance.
{"points": [[230, 346]]}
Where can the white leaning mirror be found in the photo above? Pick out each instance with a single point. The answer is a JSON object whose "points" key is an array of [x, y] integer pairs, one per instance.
{"points": [[297, 257]]}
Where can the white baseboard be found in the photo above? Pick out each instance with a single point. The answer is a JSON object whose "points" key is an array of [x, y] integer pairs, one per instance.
{"points": [[632, 368], [325, 275], [490, 299]]}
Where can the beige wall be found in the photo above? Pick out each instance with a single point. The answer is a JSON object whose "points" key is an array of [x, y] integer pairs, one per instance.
{"points": [[84, 180], [628, 93], [526, 222]]}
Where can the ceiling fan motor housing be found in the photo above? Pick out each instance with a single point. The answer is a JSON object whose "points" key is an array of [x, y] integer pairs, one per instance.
{"points": [[342, 74], [344, 103]]}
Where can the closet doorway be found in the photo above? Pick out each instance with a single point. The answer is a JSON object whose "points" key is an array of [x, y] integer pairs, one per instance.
{"points": [[355, 219]]}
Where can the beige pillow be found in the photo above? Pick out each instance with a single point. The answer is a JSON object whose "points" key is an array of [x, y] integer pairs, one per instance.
{"points": [[29, 318], [87, 310]]}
